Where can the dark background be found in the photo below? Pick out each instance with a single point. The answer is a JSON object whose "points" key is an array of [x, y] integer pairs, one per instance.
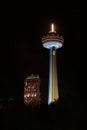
{"points": [[22, 54]]}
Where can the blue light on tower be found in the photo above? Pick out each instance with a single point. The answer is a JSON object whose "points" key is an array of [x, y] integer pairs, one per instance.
{"points": [[52, 41]]}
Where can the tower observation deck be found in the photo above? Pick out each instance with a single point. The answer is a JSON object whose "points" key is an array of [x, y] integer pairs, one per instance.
{"points": [[52, 41]]}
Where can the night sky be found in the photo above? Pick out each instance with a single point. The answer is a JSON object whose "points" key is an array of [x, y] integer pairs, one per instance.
{"points": [[22, 54]]}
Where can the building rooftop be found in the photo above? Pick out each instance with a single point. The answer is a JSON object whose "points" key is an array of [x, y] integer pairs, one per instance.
{"points": [[32, 76]]}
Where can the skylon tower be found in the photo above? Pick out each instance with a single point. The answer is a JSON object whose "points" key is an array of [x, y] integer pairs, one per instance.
{"points": [[52, 41]]}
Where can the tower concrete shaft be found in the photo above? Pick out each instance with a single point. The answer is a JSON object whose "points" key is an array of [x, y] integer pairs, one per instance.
{"points": [[53, 82]]}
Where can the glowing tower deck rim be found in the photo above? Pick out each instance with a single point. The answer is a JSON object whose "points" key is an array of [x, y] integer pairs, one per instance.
{"points": [[52, 40]]}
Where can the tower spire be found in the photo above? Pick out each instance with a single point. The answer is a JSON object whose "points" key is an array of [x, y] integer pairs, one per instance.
{"points": [[52, 29]]}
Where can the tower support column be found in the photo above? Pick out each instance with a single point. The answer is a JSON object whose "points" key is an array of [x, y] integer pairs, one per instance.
{"points": [[53, 82]]}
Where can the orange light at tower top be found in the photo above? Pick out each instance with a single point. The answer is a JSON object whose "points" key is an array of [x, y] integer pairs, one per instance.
{"points": [[52, 28]]}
